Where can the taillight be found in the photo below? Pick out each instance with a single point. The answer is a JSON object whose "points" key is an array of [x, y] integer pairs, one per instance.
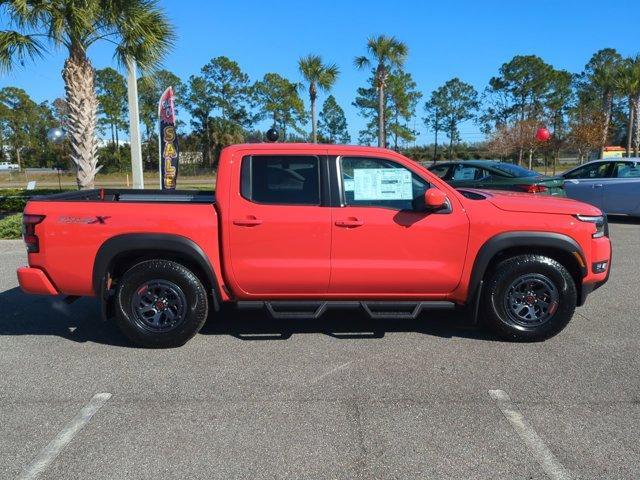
{"points": [[29, 223], [533, 188]]}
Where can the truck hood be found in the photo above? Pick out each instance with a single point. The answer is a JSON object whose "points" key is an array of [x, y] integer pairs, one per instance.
{"points": [[531, 203]]}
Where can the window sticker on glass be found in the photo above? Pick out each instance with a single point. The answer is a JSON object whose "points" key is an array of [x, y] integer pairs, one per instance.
{"points": [[382, 184], [349, 185]]}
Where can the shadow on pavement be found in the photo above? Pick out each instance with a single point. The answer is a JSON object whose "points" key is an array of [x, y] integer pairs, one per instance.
{"points": [[341, 325], [23, 314]]}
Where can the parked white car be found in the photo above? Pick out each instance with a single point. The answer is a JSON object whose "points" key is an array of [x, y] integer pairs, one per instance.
{"points": [[9, 167]]}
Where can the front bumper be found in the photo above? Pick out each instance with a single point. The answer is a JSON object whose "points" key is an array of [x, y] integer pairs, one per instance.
{"points": [[34, 280], [590, 286], [587, 288]]}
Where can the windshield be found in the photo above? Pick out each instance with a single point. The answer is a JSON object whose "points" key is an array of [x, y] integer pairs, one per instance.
{"points": [[515, 170]]}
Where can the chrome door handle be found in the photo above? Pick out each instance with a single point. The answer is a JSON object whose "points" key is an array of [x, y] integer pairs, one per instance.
{"points": [[597, 185]]}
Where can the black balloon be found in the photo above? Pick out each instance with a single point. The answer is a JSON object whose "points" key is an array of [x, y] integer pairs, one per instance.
{"points": [[272, 135]]}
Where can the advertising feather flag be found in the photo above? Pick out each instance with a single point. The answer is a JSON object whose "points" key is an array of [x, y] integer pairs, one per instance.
{"points": [[168, 141]]}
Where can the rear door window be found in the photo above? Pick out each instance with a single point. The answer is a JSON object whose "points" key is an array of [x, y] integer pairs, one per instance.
{"points": [[463, 172], [626, 170], [281, 179]]}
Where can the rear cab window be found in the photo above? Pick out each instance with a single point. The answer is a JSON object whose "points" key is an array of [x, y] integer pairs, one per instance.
{"points": [[281, 179]]}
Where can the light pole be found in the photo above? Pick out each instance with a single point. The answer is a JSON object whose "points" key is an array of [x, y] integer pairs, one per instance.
{"points": [[57, 135], [134, 125]]}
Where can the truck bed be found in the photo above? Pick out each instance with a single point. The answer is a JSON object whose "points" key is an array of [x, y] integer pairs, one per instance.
{"points": [[75, 225], [130, 196]]}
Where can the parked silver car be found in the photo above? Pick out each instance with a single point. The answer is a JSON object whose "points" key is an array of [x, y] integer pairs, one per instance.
{"points": [[612, 185]]}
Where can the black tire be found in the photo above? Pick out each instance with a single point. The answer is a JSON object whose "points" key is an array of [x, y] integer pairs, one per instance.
{"points": [[160, 304], [528, 298]]}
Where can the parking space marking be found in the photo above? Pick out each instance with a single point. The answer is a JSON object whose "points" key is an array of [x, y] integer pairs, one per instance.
{"points": [[51, 451], [549, 463], [333, 370]]}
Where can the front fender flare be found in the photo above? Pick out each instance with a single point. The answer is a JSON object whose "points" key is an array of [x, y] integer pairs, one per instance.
{"points": [[507, 240]]}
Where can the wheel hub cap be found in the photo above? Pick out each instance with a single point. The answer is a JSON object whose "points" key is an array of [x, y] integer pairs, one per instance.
{"points": [[531, 300], [159, 305]]}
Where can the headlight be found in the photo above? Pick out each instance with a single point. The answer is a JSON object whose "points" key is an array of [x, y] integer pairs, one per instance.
{"points": [[599, 221]]}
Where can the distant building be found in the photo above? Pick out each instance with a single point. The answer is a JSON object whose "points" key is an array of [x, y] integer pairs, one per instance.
{"points": [[613, 152]]}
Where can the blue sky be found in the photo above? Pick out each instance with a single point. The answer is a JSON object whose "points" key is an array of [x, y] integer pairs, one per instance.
{"points": [[467, 39]]}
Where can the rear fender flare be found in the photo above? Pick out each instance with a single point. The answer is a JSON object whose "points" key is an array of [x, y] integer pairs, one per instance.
{"points": [[148, 242]]}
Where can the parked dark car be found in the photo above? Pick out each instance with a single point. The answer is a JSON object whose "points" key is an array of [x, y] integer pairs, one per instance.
{"points": [[489, 174], [612, 185]]}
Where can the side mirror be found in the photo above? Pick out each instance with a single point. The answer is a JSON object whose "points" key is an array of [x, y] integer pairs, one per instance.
{"points": [[434, 199]]}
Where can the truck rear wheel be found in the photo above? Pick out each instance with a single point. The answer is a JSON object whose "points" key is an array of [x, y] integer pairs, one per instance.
{"points": [[160, 304], [529, 298]]}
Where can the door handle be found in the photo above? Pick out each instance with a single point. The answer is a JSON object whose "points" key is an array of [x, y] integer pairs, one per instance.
{"points": [[350, 222], [250, 221], [597, 185]]}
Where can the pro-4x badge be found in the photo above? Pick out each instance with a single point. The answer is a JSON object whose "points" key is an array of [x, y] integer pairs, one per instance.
{"points": [[102, 219]]}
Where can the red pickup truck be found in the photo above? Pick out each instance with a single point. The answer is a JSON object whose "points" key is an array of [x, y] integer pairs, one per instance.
{"points": [[297, 229]]}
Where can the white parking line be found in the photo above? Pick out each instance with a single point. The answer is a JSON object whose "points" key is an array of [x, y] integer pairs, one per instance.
{"points": [[51, 451], [333, 370], [549, 463]]}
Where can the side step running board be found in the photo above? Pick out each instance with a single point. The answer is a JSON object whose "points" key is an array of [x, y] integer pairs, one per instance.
{"points": [[309, 310]]}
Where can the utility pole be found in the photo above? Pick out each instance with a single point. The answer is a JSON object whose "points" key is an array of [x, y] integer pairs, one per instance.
{"points": [[134, 125]]}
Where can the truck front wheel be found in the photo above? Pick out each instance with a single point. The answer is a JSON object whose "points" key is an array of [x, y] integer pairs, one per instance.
{"points": [[529, 298], [160, 304]]}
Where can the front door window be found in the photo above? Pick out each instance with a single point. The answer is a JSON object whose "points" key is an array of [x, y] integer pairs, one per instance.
{"points": [[374, 182]]}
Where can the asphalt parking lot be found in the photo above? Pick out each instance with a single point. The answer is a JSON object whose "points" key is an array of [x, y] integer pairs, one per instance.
{"points": [[339, 398]]}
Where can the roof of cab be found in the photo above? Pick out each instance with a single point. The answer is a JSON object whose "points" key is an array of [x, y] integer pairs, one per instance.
{"points": [[312, 147]]}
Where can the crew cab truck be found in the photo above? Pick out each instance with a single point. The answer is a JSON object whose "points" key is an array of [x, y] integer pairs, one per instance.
{"points": [[297, 229]]}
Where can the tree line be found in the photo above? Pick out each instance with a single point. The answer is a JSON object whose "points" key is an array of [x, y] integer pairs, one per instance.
{"points": [[585, 111]]}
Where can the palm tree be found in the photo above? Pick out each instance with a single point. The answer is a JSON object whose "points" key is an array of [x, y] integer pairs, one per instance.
{"points": [[317, 75], [138, 29], [601, 72], [386, 52], [628, 84]]}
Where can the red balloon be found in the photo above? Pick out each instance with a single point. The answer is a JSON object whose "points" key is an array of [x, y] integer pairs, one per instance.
{"points": [[542, 135]]}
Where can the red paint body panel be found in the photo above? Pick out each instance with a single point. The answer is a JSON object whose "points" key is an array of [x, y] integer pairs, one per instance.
{"points": [[295, 252], [523, 203], [33, 280], [289, 252], [488, 221], [398, 252], [69, 244]]}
